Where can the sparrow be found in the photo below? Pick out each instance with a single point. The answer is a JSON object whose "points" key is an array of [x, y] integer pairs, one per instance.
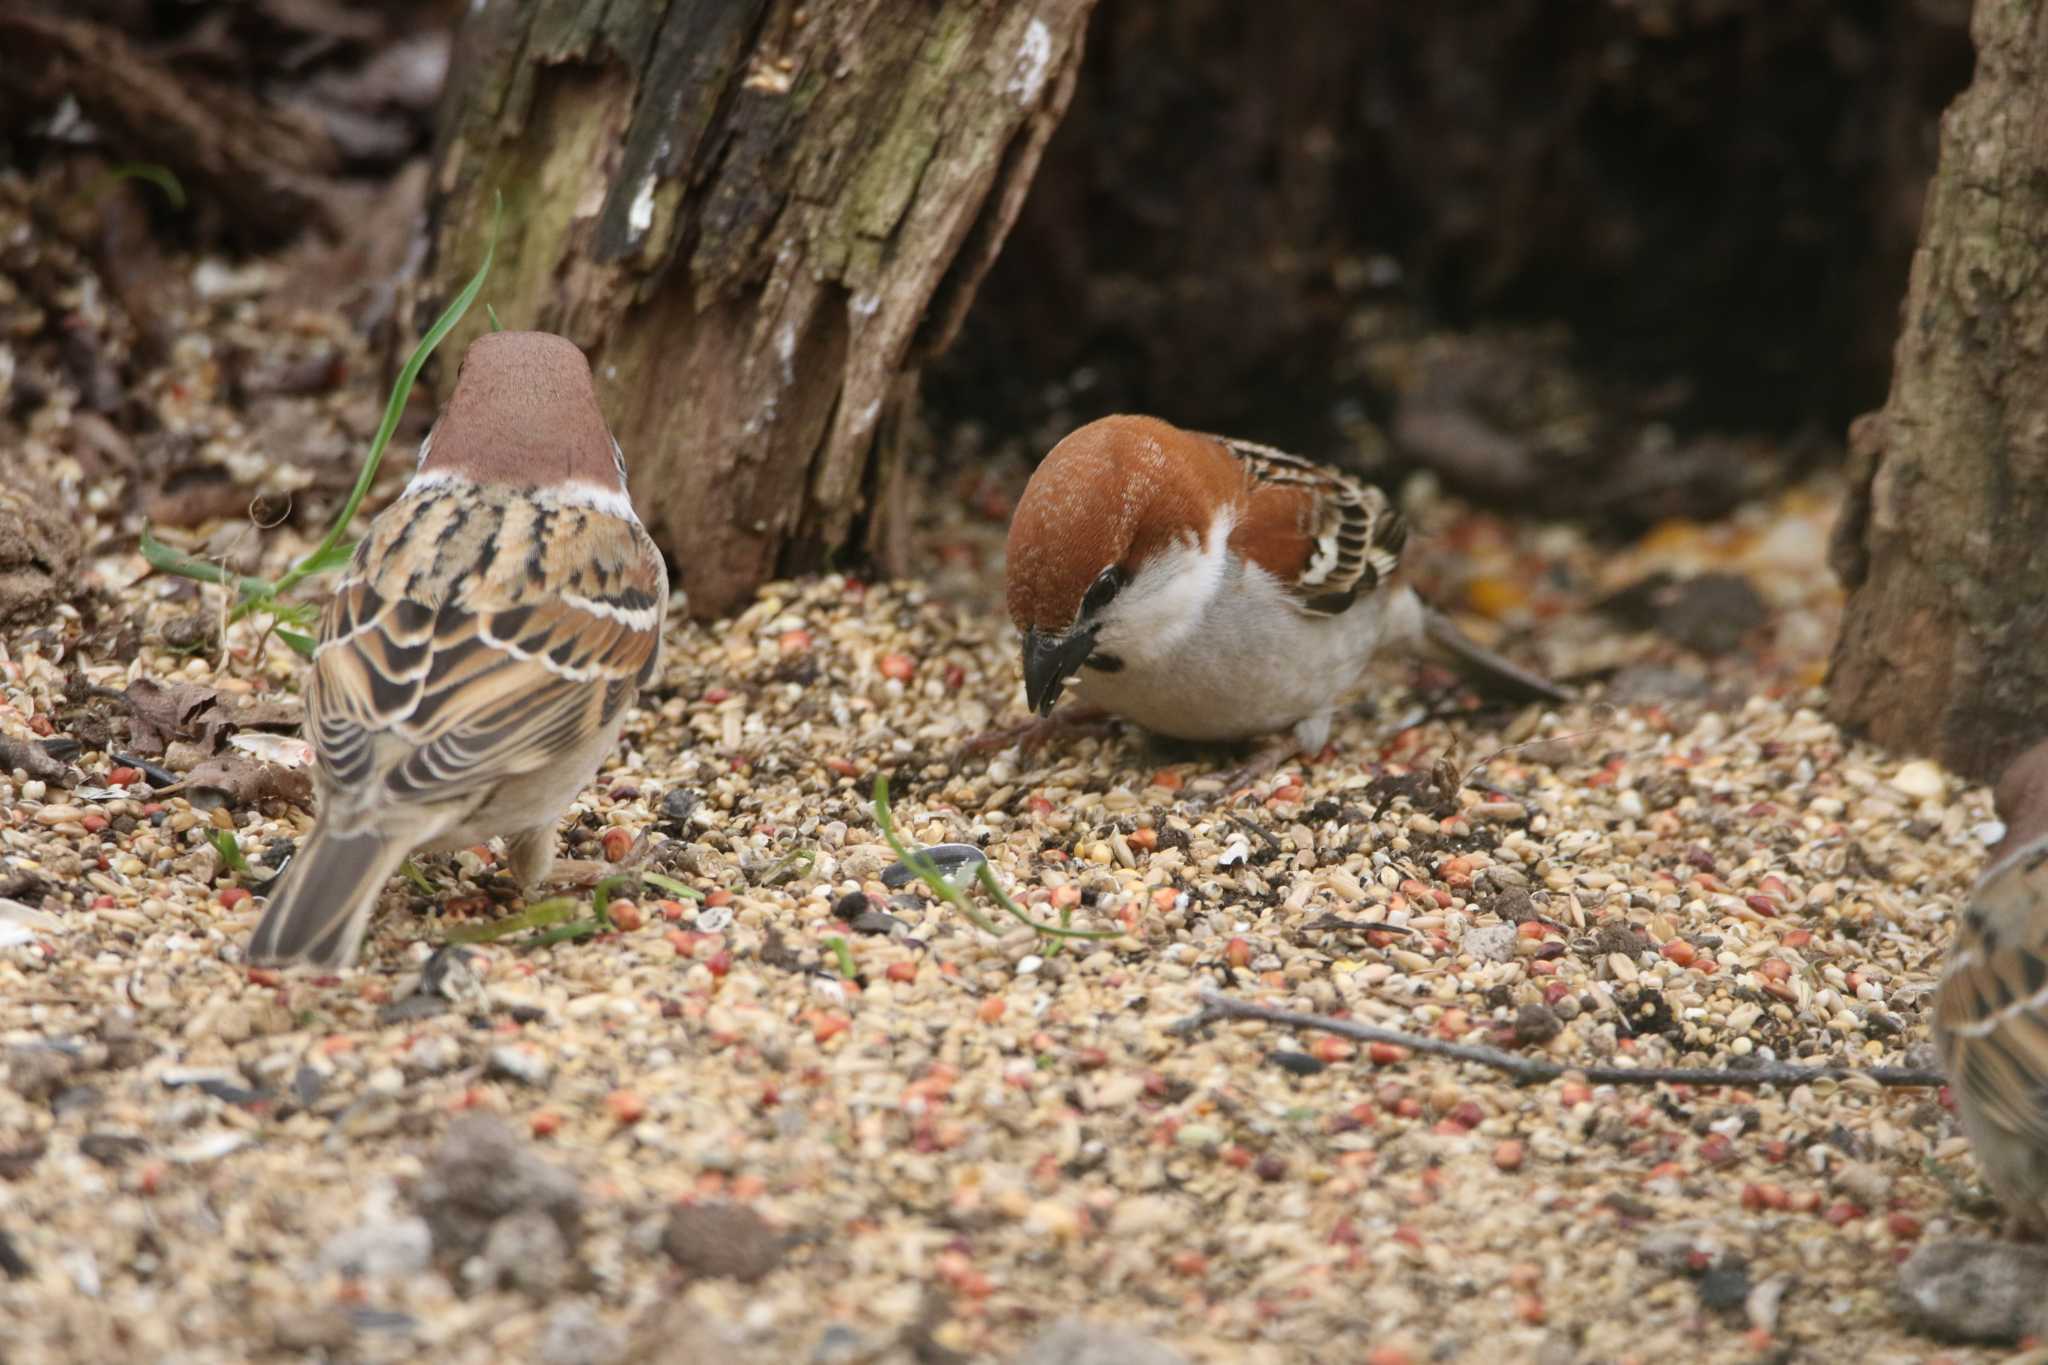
{"points": [[1209, 588], [1991, 1007], [475, 665]]}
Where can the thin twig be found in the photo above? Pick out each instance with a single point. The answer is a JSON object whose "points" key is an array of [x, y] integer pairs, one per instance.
{"points": [[1216, 1005]]}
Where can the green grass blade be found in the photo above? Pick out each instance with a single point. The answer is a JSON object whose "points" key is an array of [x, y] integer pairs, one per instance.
{"points": [[167, 560], [394, 410], [160, 176], [230, 852]]}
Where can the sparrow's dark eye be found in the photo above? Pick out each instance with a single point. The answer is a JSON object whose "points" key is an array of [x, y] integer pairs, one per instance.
{"points": [[1102, 591]]}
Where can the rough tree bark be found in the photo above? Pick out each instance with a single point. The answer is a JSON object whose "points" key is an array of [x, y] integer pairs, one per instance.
{"points": [[1944, 541], [760, 217]]}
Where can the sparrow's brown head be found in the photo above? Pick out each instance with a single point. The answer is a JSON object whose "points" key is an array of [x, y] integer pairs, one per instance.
{"points": [[2021, 799], [524, 413]]}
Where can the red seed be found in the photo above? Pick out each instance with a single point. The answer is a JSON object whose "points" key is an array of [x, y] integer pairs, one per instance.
{"points": [[625, 915], [714, 695], [1188, 1263], [626, 1106], [956, 677], [1903, 1226], [900, 667], [719, 963], [1507, 1154], [992, 1009], [1840, 1212], [901, 971], [233, 896], [545, 1123], [121, 777], [264, 976], [617, 843], [829, 1026], [793, 641], [1681, 952], [1238, 953], [1386, 1054], [1330, 1050]]}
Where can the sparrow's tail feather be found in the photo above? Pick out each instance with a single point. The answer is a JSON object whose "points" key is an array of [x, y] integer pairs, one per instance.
{"points": [[1486, 669], [320, 913]]}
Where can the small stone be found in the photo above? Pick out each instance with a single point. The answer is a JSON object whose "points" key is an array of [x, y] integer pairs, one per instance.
{"points": [[1535, 1024], [1077, 1341], [957, 863], [1977, 1291], [304, 1333], [525, 1251], [717, 1239], [1920, 780], [839, 1344], [575, 1335], [396, 1247], [1725, 1287], [1489, 942], [484, 1171], [521, 1062]]}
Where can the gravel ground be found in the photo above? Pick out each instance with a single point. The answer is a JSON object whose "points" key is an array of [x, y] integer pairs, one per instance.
{"points": [[785, 1123]]}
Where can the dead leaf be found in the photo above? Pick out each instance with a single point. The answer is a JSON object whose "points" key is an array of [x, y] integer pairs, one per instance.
{"points": [[269, 713], [236, 781], [162, 712]]}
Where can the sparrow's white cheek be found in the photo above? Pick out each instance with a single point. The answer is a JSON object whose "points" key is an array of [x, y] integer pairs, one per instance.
{"points": [[1167, 599]]}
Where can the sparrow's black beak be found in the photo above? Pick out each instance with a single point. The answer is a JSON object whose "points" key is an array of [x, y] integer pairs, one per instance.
{"points": [[1049, 660]]}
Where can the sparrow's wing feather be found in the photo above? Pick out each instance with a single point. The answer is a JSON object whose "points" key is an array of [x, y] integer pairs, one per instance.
{"points": [[1327, 536], [1991, 1010], [422, 701]]}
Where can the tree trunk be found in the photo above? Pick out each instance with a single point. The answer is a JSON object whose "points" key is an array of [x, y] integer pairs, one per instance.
{"points": [[760, 218], [1944, 541]]}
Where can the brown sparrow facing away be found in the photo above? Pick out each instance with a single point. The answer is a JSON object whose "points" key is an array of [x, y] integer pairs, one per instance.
{"points": [[476, 663], [1212, 589], [1991, 1009]]}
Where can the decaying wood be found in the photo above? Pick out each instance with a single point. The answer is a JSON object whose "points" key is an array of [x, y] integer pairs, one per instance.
{"points": [[1944, 543], [262, 167], [760, 218]]}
